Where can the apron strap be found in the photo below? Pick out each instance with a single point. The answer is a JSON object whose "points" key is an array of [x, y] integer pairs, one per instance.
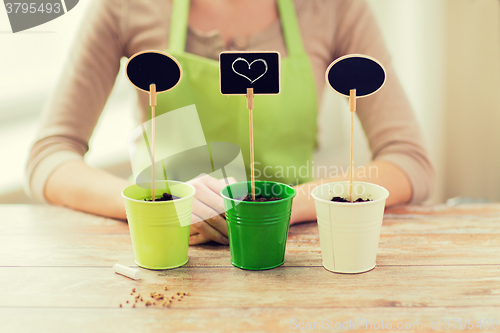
{"points": [[178, 26], [290, 27]]}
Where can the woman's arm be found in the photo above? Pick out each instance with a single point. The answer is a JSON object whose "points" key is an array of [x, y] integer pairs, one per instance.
{"points": [[72, 112], [79, 186], [400, 161], [381, 173], [393, 132]]}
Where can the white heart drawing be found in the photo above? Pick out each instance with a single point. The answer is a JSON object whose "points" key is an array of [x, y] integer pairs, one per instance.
{"points": [[249, 65]]}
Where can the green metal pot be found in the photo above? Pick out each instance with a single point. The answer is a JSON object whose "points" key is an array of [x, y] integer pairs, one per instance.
{"points": [[258, 230]]}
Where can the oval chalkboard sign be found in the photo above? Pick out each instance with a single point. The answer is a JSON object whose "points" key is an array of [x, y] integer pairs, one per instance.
{"points": [[355, 71], [148, 67]]}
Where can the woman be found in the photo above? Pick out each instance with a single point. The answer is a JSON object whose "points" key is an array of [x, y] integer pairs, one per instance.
{"points": [[309, 34]]}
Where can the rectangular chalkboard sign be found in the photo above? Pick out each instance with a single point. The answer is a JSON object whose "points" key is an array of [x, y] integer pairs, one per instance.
{"points": [[242, 70]]}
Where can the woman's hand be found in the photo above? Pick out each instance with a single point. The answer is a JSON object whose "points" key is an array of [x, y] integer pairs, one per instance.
{"points": [[208, 222]]}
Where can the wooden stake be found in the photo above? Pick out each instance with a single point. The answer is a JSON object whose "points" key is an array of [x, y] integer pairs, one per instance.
{"points": [[250, 109], [352, 108], [152, 102]]}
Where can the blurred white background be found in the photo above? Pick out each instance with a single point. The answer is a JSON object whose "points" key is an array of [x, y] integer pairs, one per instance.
{"points": [[446, 54], [30, 65]]}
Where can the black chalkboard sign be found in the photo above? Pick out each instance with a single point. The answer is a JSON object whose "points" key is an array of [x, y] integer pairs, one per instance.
{"points": [[355, 71], [242, 70], [153, 67]]}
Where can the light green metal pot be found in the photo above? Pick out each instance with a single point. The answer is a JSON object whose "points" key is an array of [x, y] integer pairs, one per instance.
{"points": [[159, 230]]}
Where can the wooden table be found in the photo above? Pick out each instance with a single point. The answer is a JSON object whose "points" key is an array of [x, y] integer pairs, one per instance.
{"points": [[434, 264]]}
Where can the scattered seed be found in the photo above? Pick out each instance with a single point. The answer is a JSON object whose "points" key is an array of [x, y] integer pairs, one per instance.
{"points": [[121, 306], [162, 299]]}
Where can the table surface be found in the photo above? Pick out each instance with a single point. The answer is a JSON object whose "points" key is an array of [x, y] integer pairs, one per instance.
{"points": [[434, 263]]}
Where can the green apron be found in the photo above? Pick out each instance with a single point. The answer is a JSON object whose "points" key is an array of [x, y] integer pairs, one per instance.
{"points": [[284, 125]]}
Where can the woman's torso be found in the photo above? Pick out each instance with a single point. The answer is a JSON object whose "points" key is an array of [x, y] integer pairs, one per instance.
{"points": [[146, 26], [284, 125]]}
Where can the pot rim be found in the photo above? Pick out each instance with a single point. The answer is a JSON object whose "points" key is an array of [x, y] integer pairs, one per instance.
{"points": [[160, 202], [375, 201]]}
